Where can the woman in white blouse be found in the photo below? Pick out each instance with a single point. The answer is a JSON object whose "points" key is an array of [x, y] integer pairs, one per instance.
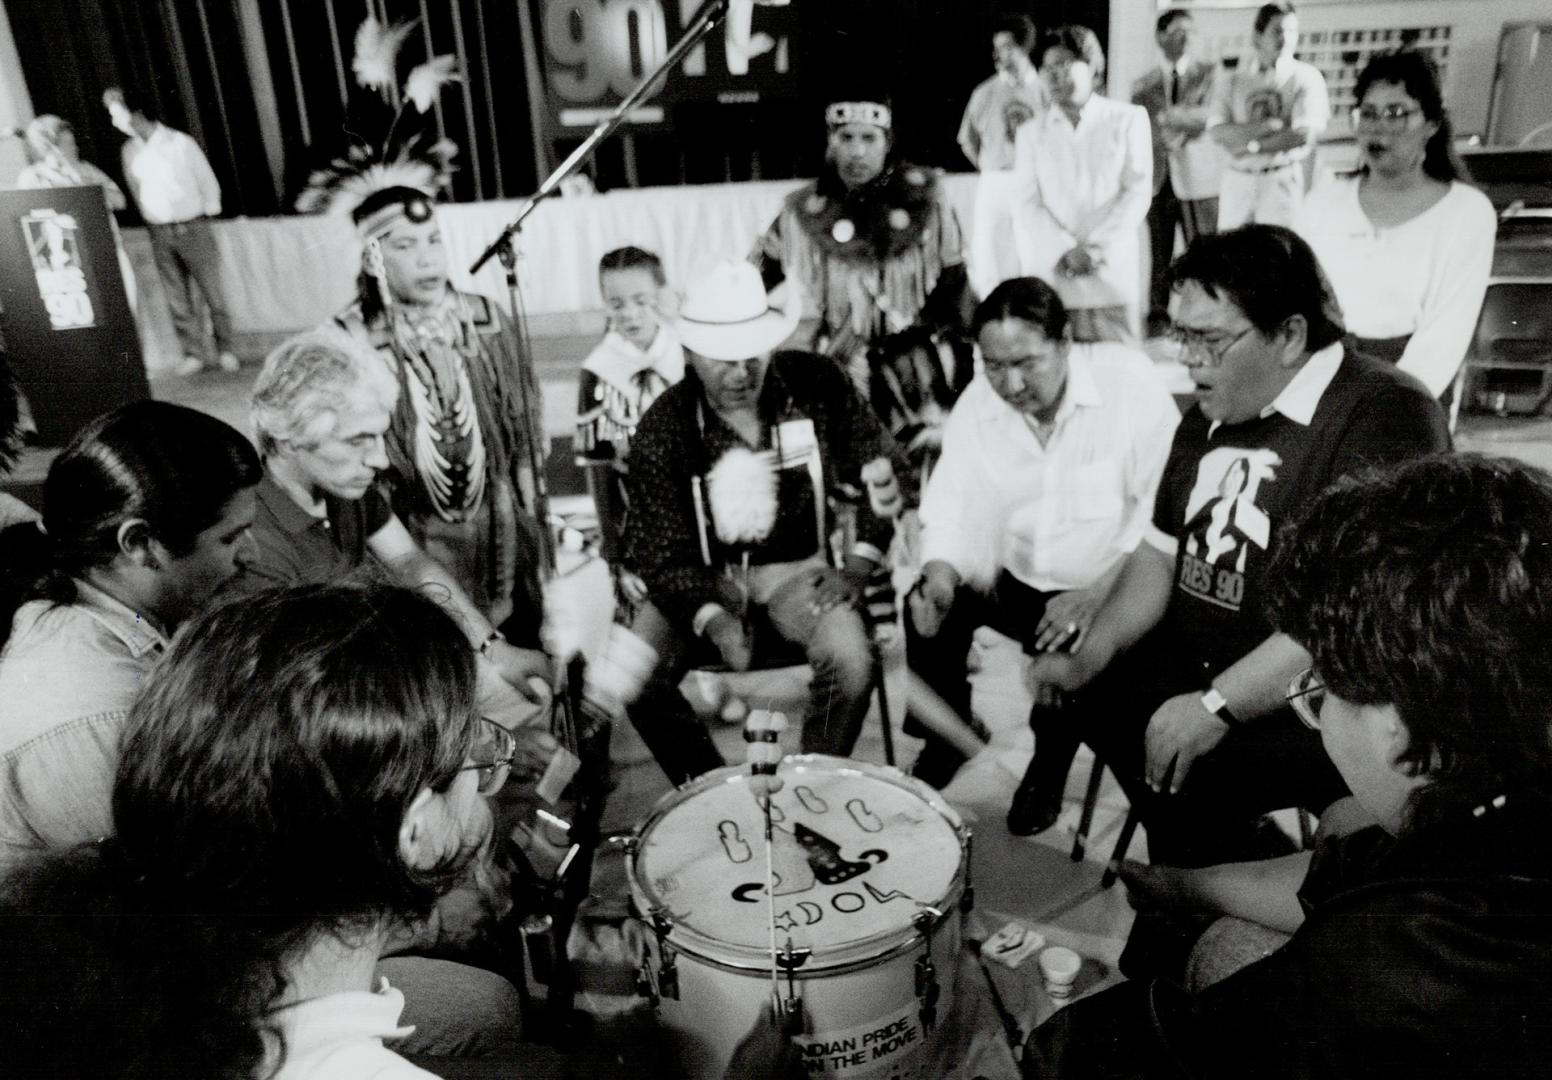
{"points": [[1407, 245]]}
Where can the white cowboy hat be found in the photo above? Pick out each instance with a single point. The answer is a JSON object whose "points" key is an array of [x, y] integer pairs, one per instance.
{"points": [[726, 314]]}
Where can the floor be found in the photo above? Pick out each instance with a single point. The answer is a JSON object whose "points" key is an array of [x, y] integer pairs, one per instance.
{"points": [[1031, 881]]}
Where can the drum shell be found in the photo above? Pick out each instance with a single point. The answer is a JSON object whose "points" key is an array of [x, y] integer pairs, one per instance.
{"points": [[717, 1005], [864, 997]]}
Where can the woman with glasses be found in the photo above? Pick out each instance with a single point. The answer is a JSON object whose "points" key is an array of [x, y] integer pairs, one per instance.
{"points": [[304, 776], [1407, 245]]}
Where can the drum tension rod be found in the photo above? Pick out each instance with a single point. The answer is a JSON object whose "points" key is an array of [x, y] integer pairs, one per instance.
{"points": [[789, 960]]}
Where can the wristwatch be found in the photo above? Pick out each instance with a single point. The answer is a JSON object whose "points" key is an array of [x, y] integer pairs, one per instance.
{"points": [[1215, 704]]}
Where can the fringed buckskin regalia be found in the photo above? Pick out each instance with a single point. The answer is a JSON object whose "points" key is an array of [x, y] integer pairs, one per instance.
{"points": [[881, 266]]}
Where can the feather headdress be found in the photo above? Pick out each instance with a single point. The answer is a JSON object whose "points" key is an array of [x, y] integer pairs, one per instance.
{"points": [[380, 184], [377, 53]]}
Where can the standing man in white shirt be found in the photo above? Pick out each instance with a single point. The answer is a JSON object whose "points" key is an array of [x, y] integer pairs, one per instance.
{"points": [[1084, 170], [1186, 163], [1269, 119], [997, 109], [1050, 462], [177, 193]]}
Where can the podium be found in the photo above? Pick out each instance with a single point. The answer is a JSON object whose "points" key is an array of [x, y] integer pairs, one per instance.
{"points": [[68, 327]]}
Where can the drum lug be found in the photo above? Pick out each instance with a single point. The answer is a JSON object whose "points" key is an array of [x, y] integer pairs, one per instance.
{"points": [[927, 990], [646, 986], [668, 966], [629, 843], [668, 975]]}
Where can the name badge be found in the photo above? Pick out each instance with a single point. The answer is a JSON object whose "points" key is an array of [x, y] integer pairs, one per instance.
{"points": [[796, 442]]}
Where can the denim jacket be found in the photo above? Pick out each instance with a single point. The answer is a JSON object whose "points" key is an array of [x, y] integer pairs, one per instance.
{"points": [[68, 676]]}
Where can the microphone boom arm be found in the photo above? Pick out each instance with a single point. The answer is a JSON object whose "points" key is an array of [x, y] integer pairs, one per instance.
{"points": [[710, 13]]}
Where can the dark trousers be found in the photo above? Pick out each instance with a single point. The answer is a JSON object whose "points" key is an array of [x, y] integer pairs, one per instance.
{"points": [[1266, 764], [835, 644], [186, 254], [1193, 217], [1011, 608]]}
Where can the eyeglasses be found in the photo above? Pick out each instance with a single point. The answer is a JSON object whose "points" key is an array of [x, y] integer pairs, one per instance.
{"points": [[1306, 694], [1391, 118], [492, 755], [1210, 346]]}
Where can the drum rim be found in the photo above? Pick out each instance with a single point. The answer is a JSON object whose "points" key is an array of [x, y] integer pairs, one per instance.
{"points": [[875, 947]]}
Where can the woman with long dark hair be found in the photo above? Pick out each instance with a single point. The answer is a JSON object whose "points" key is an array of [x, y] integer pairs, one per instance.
{"points": [[145, 515], [1406, 243], [304, 774]]}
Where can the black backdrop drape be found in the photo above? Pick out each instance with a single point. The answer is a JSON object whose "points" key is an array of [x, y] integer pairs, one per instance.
{"points": [[265, 85]]}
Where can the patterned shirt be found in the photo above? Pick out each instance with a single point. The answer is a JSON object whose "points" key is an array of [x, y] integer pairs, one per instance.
{"points": [[997, 108], [681, 437]]}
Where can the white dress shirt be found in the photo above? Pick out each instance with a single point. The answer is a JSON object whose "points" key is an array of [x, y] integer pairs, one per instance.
{"points": [[170, 177], [1057, 516], [1425, 277], [1091, 185]]}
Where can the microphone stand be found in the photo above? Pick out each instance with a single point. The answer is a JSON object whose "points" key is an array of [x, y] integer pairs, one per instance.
{"points": [[710, 13], [573, 879]]}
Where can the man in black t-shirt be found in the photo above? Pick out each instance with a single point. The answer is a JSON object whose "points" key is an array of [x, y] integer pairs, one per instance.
{"points": [[1421, 927], [1181, 676]]}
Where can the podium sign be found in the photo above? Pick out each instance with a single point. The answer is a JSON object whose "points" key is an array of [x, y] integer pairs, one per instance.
{"points": [[68, 327]]}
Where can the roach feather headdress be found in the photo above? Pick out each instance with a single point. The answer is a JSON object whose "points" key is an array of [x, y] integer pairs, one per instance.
{"points": [[379, 185]]}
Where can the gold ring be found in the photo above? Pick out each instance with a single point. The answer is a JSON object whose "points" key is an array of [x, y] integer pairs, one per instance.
{"points": [[1072, 628]]}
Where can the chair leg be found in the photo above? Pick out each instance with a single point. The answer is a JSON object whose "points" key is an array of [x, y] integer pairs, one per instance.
{"points": [[1124, 841], [885, 723], [1090, 801], [1306, 829]]}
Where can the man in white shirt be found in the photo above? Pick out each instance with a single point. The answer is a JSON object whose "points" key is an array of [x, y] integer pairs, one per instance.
{"points": [[1050, 462], [1268, 118], [1084, 170], [1180, 681], [997, 109], [1186, 164], [177, 193]]}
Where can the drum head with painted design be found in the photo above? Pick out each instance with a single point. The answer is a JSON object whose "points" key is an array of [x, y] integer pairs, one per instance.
{"points": [[857, 852]]}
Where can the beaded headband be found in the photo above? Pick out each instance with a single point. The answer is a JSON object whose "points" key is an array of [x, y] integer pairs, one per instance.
{"points": [[841, 113]]}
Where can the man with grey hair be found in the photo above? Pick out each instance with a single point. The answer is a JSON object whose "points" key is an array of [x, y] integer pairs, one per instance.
{"points": [[321, 407]]}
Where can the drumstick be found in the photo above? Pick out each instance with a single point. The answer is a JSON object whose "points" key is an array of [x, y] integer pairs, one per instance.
{"points": [[762, 732], [770, 901]]}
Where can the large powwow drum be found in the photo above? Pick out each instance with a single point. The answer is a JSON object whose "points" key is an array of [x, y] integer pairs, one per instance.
{"points": [[869, 869]]}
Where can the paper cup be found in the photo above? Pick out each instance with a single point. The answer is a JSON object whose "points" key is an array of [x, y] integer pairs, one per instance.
{"points": [[1059, 967]]}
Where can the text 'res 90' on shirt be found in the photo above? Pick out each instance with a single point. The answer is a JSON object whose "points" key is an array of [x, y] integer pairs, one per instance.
{"points": [[1228, 491]]}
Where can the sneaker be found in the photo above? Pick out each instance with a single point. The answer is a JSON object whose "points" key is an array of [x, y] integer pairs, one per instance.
{"points": [[190, 365], [228, 363]]}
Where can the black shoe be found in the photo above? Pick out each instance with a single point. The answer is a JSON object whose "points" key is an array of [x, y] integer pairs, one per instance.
{"points": [[1033, 810]]}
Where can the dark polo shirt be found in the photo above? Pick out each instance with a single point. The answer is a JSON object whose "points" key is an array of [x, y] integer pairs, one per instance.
{"points": [[295, 548]]}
